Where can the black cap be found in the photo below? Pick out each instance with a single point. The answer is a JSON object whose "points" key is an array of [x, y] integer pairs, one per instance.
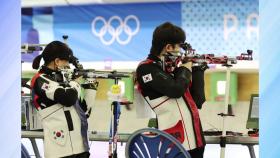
{"points": [[53, 50]]}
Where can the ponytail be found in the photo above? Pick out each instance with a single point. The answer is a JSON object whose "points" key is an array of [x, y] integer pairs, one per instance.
{"points": [[36, 62]]}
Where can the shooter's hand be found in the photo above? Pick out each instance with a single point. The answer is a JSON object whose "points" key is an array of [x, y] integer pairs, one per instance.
{"points": [[200, 66], [187, 65], [79, 80]]}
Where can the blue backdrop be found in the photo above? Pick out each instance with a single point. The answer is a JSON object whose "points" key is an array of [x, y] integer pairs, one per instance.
{"points": [[225, 27], [123, 32], [120, 32]]}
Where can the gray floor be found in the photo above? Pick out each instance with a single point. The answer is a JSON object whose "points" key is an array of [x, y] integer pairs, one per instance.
{"points": [[100, 150]]}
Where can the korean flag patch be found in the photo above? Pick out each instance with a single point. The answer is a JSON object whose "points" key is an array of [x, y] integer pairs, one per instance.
{"points": [[45, 86], [147, 78]]}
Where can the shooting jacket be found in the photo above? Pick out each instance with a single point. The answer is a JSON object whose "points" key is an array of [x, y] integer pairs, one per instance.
{"points": [[175, 99], [63, 118]]}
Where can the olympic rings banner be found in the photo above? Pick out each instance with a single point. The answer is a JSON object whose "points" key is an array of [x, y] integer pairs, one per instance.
{"points": [[117, 32], [123, 32]]}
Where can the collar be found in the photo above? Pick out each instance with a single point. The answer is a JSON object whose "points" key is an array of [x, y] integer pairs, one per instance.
{"points": [[155, 59], [48, 71], [51, 74]]}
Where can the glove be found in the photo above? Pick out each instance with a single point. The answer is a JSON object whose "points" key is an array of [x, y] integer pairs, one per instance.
{"points": [[187, 65], [202, 66]]}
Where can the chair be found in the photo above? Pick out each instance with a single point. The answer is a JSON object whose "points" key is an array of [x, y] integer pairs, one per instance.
{"points": [[153, 143], [24, 152]]}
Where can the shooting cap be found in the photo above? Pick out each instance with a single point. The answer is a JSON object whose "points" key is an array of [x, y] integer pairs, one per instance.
{"points": [[53, 50]]}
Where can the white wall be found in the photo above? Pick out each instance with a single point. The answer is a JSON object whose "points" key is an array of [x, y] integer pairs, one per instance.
{"points": [[100, 118]]}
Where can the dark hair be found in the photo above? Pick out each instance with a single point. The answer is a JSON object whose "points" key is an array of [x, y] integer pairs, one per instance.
{"points": [[164, 34], [53, 50]]}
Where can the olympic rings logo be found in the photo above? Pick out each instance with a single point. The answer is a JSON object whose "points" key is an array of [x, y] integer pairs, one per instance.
{"points": [[115, 31]]}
